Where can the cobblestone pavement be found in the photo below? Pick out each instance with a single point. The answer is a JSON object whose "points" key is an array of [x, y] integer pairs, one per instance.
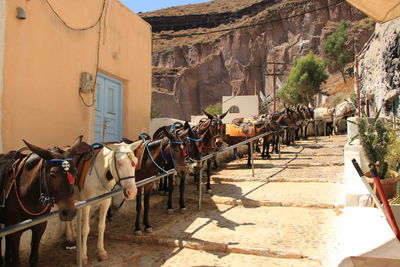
{"points": [[289, 214]]}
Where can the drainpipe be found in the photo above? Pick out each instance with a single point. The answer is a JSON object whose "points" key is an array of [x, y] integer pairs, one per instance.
{"points": [[3, 13]]}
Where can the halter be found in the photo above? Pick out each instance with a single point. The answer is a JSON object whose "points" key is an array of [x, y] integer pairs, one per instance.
{"points": [[45, 197], [214, 136], [116, 169], [194, 140]]}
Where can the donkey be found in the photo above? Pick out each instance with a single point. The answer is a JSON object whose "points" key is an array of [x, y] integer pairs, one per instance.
{"points": [[210, 130], [192, 143], [259, 128], [155, 156], [103, 169], [32, 184], [272, 138]]}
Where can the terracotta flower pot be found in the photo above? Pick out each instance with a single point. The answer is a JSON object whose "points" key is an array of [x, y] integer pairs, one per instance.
{"points": [[389, 185]]}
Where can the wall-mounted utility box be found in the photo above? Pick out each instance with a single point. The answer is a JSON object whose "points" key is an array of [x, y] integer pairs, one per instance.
{"points": [[86, 84]]}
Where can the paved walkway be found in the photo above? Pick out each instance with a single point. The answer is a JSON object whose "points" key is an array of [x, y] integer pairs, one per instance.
{"points": [[290, 214]]}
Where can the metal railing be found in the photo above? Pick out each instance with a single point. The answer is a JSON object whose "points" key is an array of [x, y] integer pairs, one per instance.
{"points": [[79, 205]]}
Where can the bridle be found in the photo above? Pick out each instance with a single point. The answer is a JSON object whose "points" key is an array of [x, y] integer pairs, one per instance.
{"points": [[130, 156], [198, 144], [213, 135], [46, 197]]}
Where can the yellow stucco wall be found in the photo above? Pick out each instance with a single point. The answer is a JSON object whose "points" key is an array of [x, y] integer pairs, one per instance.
{"points": [[43, 60]]}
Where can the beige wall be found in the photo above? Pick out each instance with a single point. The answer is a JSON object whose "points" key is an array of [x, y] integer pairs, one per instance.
{"points": [[3, 5], [43, 61]]}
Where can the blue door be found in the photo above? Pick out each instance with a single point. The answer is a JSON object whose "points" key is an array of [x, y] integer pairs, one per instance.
{"points": [[108, 123]]}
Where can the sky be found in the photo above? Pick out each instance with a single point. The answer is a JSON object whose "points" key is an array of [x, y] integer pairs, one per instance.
{"points": [[150, 5]]}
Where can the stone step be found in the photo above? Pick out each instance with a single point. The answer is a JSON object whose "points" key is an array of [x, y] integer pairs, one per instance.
{"points": [[256, 194], [324, 235], [280, 174]]}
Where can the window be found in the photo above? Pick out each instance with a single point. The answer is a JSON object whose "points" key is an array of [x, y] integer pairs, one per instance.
{"points": [[234, 109]]}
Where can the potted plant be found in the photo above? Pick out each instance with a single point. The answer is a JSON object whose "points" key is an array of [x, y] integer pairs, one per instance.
{"points": [[382, 149]]}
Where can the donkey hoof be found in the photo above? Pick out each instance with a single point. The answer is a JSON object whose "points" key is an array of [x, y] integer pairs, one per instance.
{"points": [[69, 245], [84, 260], [170, 211], [138, 233], [148, 230], [209, 191], [103, 256], [183, 210], [165, 193]]}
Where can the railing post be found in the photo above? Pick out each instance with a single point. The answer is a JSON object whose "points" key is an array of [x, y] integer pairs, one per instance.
{"points": [[315, 131], [280, 140], [79, 238], [252, 158], [324, 127], [200, 181]]}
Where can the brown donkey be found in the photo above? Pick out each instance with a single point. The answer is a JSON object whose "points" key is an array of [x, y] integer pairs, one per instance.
{"points": [[210, 130], [33, 183], [155, 157]]}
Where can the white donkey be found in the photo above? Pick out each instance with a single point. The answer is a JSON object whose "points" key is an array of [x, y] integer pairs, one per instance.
{"points": [[113, 164]]}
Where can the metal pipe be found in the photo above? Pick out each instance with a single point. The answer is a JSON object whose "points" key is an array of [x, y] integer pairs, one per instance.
{"points": [[315, 131], [252, 158], [200, 181], [79, 238]]}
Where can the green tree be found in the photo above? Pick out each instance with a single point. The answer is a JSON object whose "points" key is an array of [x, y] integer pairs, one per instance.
{"points": [[215, 109], [304, 80], [336, 53]]}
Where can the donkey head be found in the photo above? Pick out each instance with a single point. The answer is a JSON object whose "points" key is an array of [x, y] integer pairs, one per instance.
{"points": [[57, 179], [216, 128], [193, 142], [175, 153], [121, 163]]}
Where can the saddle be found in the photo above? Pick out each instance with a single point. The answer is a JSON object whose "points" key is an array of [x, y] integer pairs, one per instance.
{"points": [[11, 165], [83, 165], [241, 127]]}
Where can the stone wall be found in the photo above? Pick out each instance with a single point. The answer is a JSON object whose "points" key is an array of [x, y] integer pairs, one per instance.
{"points": [[379, 68]]}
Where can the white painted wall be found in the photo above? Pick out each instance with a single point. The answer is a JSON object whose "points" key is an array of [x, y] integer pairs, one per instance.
{"points": [[248, 106]]}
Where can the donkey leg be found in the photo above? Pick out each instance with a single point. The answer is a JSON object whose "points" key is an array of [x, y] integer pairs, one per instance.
{"points": [[138, 231], [170, 209], [249, 154], [101, 252], [37, 233], [12, 250], [182, 193], [85, 232], [208, 185], [147, 226], [70, 243]]}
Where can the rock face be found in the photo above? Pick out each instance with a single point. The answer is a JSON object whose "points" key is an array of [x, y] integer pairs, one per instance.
{"points": [[379, 68], [193, 71]]}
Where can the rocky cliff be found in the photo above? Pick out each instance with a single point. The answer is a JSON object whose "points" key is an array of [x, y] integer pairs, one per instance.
{"points": [[379, 69], [198, 57]]}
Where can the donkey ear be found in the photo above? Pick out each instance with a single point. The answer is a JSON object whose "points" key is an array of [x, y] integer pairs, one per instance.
{"points": [[210, 116], [79, 147], [136, 145], [43, 153], [167, 133], [203, 130], [186, 126], [223, 115], [185, 133]]}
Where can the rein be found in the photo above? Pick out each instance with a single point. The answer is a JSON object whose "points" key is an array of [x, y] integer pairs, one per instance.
{"points": [[45, 197]]}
